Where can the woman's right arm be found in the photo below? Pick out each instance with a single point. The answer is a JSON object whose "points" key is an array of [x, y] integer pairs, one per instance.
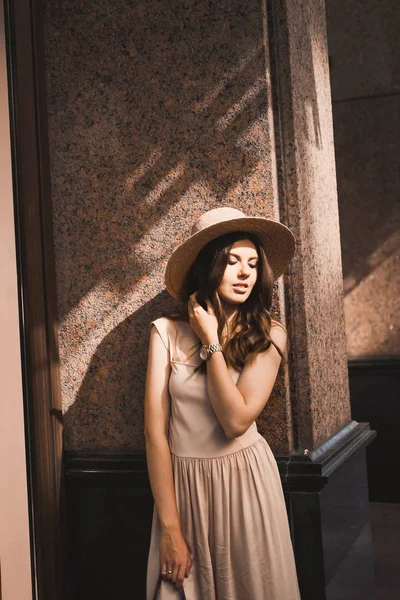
{"points": [[174, 553]]}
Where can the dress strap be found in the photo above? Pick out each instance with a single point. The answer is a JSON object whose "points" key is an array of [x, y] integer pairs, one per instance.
{"points": [[179, 339]]}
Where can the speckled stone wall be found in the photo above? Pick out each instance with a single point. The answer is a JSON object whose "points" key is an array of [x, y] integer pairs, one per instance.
{"points": [[364, 47], [319, 377], [157, 111]]}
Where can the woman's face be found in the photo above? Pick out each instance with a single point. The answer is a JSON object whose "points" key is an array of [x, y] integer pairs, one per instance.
{"points": [[240, 273]]}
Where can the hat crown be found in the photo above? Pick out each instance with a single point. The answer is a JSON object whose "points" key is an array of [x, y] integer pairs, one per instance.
{"points": [[216, 215]]}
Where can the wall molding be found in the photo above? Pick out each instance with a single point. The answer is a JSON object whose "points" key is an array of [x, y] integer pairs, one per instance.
{"points": [[379, 362]]}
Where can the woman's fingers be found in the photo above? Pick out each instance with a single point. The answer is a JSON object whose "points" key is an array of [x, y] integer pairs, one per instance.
{"points": [[180, 577], [210, 309], [165, 567], [203, 322], [188, 566], [175, 557], [191, 303], [175, 569], [178, 571], [193, 300]]}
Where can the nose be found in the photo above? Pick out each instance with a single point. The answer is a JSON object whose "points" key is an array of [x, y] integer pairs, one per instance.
{"points": [[244, 271]]}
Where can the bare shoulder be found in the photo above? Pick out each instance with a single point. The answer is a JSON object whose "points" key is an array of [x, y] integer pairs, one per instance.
{"points": [[276, 324], [278, 334]]}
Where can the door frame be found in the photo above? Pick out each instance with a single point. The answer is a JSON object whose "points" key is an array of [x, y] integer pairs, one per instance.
{"points": [[37, 296]]}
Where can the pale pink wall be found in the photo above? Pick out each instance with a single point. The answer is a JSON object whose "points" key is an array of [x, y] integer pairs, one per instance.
{"points": [[14, 524]]}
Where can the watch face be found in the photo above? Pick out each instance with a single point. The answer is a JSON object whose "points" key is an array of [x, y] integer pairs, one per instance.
{"points": [[203, 353]]}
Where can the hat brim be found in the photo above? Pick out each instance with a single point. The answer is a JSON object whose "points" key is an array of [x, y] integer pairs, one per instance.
{"points": [[276, 239]]}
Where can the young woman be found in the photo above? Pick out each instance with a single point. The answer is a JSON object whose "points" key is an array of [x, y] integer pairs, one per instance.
{"points": [[220, 527]]}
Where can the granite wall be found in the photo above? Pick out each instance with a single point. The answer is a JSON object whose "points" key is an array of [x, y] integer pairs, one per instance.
{"points": [[157, 111], [364, 48]]}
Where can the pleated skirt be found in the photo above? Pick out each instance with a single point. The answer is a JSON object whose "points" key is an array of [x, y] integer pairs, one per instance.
{"points": [[234, 520]]}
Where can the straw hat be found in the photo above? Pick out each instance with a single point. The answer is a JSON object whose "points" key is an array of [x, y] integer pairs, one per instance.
{"points": [[276, 239]]}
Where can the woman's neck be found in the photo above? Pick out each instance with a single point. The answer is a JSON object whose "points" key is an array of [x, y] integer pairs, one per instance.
{"points": [[230, 311]]}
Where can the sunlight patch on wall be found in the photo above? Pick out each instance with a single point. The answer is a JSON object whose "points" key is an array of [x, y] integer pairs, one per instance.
{"points": [[211, 95], [155, 155], [233, 112], [372, 321]]}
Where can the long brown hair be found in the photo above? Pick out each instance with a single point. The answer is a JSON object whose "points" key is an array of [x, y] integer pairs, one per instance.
{"points": [[250, 328]]}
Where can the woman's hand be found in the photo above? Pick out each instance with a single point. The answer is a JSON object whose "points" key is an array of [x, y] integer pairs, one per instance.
{"points": [[203, 322], [175, 557]]}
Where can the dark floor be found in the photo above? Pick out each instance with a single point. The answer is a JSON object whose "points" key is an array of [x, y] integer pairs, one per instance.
{"points": [[385, 528]]}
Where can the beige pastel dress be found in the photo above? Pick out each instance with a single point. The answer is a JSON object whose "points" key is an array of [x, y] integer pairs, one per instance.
{"points": [[228, 492]]}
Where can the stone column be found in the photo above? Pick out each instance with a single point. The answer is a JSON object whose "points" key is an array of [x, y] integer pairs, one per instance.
{"points": [[330, 446], [309, 198]]}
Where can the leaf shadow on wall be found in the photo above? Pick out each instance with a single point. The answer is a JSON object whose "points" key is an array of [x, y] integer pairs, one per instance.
{"points": [[150, 106]]}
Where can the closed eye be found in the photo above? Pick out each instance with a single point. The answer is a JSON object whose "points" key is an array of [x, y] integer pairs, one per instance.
{"points": [[251, 265]]}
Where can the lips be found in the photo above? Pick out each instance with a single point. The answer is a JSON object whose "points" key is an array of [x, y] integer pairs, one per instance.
{"points": [[240, 286]]}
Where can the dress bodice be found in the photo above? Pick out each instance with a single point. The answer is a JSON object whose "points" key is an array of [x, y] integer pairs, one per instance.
{"points": [[194, 430]]}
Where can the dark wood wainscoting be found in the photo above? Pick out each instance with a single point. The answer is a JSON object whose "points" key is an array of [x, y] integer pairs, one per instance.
{"points": [[109, 512], [375, 398]]}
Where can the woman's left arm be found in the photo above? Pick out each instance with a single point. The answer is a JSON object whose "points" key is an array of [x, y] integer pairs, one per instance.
{"points": [[237, 405]]}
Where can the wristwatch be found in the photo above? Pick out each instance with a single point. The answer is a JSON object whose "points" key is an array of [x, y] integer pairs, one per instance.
{"points": [[207, 350]]}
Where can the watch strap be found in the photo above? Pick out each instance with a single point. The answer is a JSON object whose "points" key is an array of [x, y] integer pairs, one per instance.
{"points": [[211, 348]]}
